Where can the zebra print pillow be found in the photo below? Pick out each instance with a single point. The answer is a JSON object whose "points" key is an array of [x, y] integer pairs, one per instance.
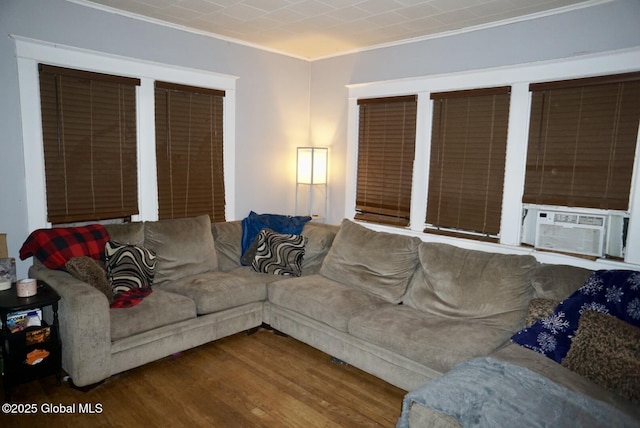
{"points": [[129, 266], [279, 254]]}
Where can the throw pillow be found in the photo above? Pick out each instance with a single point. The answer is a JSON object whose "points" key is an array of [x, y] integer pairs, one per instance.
{"points": [[279, 254], [129, 266], [92, 272], [254, 223], [613, 292], [538, 309], [606, 351]]}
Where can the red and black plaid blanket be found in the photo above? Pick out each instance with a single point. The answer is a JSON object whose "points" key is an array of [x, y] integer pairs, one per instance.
{"points": [[130, 298], [54, 247]]}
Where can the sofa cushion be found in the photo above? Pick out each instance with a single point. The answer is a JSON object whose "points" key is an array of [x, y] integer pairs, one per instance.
{"points": [[216, 291], [454, 282], [248, 273], [437, 342], [129, 266], [183, 247], [321, 299], [127, 233], [557, 281], [92, 272], [227, 236], [606, 350], [378, 262], [158, 309], [250, 253], [319, 239]]}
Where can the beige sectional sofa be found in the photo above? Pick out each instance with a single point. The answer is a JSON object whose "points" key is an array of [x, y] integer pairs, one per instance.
{"points": [[404, 310]]}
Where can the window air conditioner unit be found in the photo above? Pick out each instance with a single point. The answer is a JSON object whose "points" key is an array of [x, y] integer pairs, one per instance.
{"points": [[571, 232]]}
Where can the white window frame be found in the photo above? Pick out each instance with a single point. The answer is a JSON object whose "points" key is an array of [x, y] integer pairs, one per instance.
{"points": [[31, 52], [518, 77]]}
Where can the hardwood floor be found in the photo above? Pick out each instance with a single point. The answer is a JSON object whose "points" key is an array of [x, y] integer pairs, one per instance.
{"points": [[261, 380]]}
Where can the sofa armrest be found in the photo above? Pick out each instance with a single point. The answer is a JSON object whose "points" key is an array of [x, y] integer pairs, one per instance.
{"points": [[85, 331]]}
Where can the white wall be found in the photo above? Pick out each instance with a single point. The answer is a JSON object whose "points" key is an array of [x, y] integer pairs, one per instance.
{"points": [[272, 99], [281, 102], [578, 34]]}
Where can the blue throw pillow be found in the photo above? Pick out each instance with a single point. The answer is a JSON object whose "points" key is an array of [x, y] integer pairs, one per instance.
{"points": [[254, 223], [613, 292]]}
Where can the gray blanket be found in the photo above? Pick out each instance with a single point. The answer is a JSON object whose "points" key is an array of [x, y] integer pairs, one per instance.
{"points": [[485, 392]]}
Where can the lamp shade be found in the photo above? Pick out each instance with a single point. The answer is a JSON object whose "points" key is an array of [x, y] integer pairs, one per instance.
{"points": [[312, 165]]}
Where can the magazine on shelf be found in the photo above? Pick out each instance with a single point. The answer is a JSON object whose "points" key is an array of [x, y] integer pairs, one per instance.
{"points": [[18, 321]]}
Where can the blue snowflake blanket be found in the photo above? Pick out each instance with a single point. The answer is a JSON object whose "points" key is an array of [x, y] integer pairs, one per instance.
{"points": [[613, 292], [486, 392]]}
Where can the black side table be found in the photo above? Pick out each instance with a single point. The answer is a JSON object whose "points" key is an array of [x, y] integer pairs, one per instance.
{"points": [[31, 341]]}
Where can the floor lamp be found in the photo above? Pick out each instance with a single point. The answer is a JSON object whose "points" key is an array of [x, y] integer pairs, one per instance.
{"points": [[311, 182]]}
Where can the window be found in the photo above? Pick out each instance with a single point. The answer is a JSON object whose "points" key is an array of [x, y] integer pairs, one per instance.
{"points": [[386, 147], [189, 151], [582, 141], [89, 139], [513, 223], [467, 162]]}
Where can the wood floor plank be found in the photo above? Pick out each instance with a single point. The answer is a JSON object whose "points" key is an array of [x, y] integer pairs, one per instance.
{"points": [[259, 380], [324, 386]]}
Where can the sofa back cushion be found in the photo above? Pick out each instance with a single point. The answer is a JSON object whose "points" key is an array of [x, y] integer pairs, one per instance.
{"points": [[319, 240], [460, 283], [228, 236], [182, 246], [378, 262], [557, 282], [127, 233]]}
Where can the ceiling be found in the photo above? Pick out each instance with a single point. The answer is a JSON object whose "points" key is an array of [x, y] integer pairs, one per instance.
{"points": [[314, 29]]}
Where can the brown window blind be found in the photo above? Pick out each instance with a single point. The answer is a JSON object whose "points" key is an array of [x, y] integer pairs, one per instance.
{"points": [[386, 148], [89, 139], [466, 172], [189, 151], [582, 142]]}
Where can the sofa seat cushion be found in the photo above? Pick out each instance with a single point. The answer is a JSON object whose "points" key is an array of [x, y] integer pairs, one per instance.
{"points": [[322, 299], [248, 273], [217, 291], [437, 342], [380, 263], [490, 288], [158, 309]]}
